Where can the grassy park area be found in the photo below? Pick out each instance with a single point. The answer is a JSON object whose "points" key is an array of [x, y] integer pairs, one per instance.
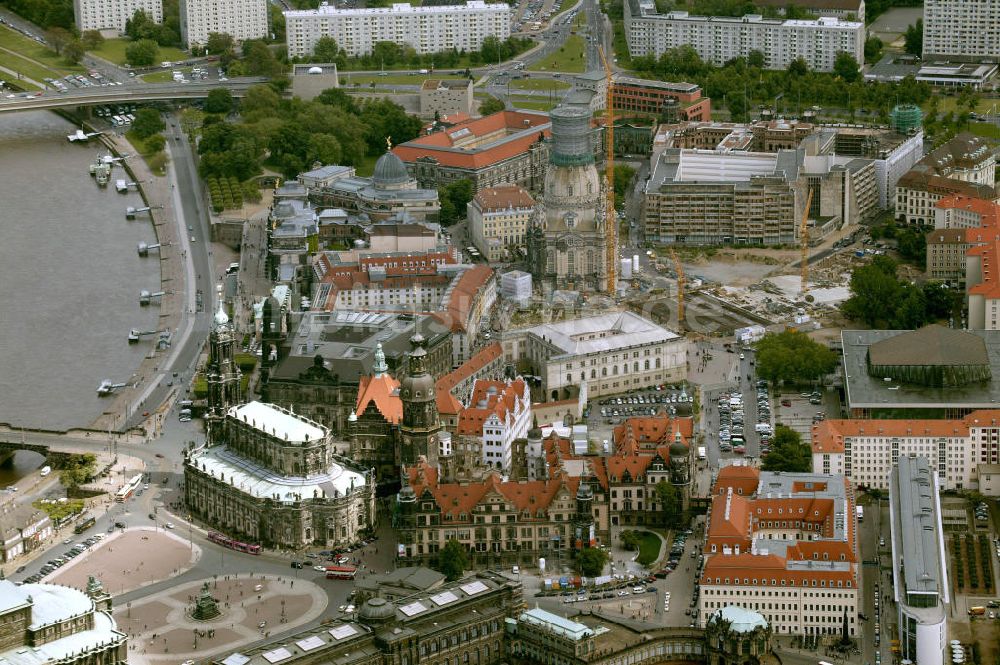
{"points": [[539, 84], [569, 58], [32, 50], [114, 50]]}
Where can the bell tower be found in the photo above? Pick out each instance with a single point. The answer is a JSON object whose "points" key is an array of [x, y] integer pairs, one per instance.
{"points": [[221, 373], [420, 424]]}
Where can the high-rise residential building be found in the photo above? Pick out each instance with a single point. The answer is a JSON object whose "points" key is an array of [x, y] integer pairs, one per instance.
{"points": [[718, 39], [963, 29], [426, 29], [243, 19], [112, 14]]}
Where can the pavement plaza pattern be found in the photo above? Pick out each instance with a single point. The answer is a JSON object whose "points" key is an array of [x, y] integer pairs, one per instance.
{"points": [[161, 629]]}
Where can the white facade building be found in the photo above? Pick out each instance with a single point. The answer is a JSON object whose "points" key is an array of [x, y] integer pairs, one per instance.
{"points": [[498, 413], [426, 29], [112, 14], [919, 573], [864, 450], [516, 285], [718, 39], [607, 354], [962, 29], [243, 19]]}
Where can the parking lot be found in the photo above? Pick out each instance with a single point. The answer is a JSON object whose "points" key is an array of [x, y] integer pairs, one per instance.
{"points": [[612, 410], [801, 410]]}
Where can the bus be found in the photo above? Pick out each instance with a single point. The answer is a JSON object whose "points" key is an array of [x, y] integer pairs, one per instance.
{"points": [[861, 513], [85, 523], [232, 544], [341, 572], [128, 489]]}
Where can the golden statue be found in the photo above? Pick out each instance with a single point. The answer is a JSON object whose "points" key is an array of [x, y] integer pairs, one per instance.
{"points": [[388, 142]]}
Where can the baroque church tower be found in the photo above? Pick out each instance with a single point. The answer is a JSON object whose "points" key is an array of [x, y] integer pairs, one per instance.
{"points": [[421, 424], [566, 237], [221, 374]]}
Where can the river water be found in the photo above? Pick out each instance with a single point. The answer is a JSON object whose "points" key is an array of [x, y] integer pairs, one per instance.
{"points": [[70, 277]]}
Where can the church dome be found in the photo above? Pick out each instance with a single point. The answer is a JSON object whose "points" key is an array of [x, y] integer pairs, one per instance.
{"points": [[389, 170], [678, 450], [376, 611]]}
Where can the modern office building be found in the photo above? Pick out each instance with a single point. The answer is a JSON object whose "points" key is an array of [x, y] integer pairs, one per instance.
{"points": [[718, 39], [112, 14], [962, 30], [444, 97], [660, 99], [498, 221], [606, 354], [242, 19], [785, 545], [920, 590], [427, 29]]}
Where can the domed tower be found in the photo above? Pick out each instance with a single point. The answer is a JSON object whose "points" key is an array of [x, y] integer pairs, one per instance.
{"points": [[421, 424], [390, 173], [377, 613], [584, 518], [680, 468], [221, 373], [571, 215]]}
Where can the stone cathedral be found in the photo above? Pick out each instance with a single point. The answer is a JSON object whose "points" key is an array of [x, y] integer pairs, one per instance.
{"points": [[566, 238]]}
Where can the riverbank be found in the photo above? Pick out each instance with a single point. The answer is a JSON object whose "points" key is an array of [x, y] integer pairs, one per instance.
{"points": [[156, 193]]}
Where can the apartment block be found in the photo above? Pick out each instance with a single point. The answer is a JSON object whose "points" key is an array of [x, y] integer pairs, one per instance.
{"points": [[718, 39], [243, 19], [426, 29], [849, 10], [498, 220], [112, 14], [962, 29]]}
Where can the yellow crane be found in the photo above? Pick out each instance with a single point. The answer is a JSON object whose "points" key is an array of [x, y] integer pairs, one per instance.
{"points": [[611, 219], [804, 239], [679, 269]]}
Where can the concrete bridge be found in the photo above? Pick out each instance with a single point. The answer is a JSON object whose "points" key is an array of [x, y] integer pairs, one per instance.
{"points": [[56, 449], [129, 93]]}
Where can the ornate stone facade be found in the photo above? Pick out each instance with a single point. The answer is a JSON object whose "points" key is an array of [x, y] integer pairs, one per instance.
{"points": [[566, 241], [269, 476]]}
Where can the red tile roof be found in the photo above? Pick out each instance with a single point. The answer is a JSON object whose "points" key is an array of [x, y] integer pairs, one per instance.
{"points": [[383, 392], [742, 478], [501, 402], [651, 432], [828, 435], [988, 211], [446, 401], [494, 199]]}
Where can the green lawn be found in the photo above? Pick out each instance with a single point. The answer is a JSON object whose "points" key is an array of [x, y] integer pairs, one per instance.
{"points": [[355, 80], [532, 103], [20, 84], [114, 50], [156, 161], [26, 67], [163, 76], [29, 48], [569, 58], [539, 84], [649, 548], [987, 129], [948, 103]]}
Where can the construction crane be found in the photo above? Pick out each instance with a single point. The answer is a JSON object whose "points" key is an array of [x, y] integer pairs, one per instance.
{"points": [[679, 269], [804, 239], [611, 219]]}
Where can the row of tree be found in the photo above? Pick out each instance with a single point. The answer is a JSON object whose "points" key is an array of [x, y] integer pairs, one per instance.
{"points": [[794, 357], [392, 54], [880, 299], [292, 134]]}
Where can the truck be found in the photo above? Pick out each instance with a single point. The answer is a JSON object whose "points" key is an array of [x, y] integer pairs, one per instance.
{"points": [[977, 611], [861, 513], [701, 452]]}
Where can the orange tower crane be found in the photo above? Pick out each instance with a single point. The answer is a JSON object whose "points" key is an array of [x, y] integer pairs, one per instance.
{"points": [[804, 239], [611, 219]]}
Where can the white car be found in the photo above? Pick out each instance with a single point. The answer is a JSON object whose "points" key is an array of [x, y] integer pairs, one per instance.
{"points": [[319, 569], [169, 525], [623, 592]]}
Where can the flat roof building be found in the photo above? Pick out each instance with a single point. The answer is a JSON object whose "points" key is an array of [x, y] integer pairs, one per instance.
{"points": [[919, 574], [718, 39], [112, 14], [241, 19], [962, 30], [427, 29]]}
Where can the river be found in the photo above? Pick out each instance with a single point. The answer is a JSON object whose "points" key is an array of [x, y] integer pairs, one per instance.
{"points": [[70, 277]]}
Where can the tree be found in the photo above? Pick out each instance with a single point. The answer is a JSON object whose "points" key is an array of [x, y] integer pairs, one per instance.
{"points": [[220, 43], [756, 59], [793, 356], [155, 143], [846, 67], [452, 560], [590, 561], [141, 26], [147, 122], [142, 53], [58, 38], [339, 98], [914, 38], [91, 39], [77, 470], [623, 179], [669, 498], [259, 60], [491, 105], [457, 194], [798, 67], [873, 49], [630, 539], [875, 293], [73, 51], [326, 49], [788, 452], [219, 100]]}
